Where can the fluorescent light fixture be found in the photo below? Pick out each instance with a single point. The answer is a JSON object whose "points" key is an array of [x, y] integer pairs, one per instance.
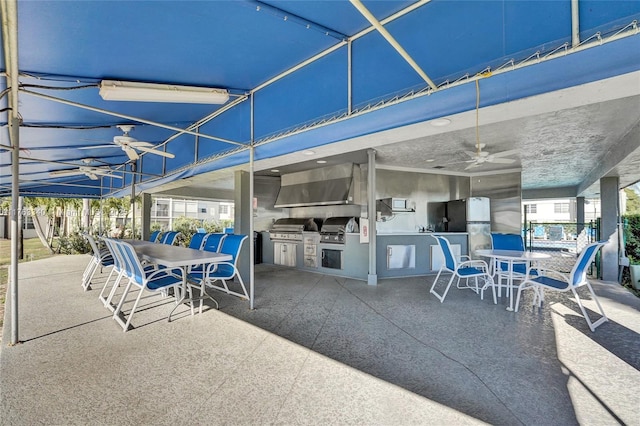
{"points": [[111, 90]]}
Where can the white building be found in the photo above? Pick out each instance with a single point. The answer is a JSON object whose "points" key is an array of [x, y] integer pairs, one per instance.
{"points": [[165, 210], [558, 210]]}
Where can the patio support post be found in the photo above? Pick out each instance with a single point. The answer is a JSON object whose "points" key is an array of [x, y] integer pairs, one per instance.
{"points": [[609, 199], [252, 240], [242, 218], [9, 11], [372, 278], [145, 224], [15, 194], [579, 215]]}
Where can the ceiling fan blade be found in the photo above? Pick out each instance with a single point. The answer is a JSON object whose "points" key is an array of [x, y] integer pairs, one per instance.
{"points": [[504, 153], [140, 144], [472, 154], [156, 151], [131, 153], [501, 160], [472, 166], [105, 173], [70, 172]]}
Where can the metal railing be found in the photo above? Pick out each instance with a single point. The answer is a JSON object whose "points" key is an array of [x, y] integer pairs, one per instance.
{"points": [[562, 240]]}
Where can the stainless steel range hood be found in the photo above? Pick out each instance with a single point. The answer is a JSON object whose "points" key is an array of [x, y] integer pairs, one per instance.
{"points": [[324, 186]]}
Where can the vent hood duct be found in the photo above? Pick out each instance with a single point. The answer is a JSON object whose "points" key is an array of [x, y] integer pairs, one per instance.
{"points": [[324, 186]]}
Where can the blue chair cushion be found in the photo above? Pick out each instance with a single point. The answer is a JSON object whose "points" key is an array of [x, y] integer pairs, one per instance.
{"points": [[551, 282], [163, 280], [107, 261], [470, 271], [223, 271]]}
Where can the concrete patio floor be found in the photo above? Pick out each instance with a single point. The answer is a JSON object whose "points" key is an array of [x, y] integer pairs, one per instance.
{"points": [[316, 350]]}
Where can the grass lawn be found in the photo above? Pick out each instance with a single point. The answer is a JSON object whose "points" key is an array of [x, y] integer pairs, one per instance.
{"points": [[32, 249]]}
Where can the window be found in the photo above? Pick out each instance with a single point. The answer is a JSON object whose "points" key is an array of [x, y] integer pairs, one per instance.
{"points": [[224, 209], [162, 209], [203, 210], [531, 208], [561, 207], [27, 222], [178, 208]]}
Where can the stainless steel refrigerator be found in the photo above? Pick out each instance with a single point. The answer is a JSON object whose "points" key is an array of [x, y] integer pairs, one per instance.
{"points": [[471, 215]]}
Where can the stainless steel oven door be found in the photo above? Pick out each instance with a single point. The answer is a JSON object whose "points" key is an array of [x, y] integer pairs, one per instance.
{"points": [[332, 259]]}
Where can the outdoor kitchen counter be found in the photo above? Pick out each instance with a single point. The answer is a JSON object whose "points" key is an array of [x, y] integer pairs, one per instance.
{"points": [[410, 254], [404, 254]]}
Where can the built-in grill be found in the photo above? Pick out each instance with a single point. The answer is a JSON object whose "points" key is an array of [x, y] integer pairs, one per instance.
{"points": [[291, 228], [334, 229]]}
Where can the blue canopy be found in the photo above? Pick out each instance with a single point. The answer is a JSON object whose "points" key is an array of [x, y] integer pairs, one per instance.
{"points": [[299, 74]]}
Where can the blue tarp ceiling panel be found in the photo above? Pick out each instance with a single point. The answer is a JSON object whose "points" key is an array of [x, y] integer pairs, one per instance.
{"points": [[221, 43], [240, 44], [317, 90]]}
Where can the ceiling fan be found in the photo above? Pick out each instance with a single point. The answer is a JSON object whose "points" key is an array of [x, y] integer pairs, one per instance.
{"points": [[132, 146], [479, 157], [93, 173]]}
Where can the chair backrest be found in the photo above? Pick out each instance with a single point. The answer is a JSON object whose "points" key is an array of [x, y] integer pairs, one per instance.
{"points": [[170, 237], [507, 242], [94, 246], [579, 271], [449, 259], [198, 240], [154, 236], [135, 271], [214, 242], [232, 244], [118, 261]]}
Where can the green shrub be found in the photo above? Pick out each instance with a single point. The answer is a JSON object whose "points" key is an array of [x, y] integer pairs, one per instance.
{"points": [[73, 244], [632, 238]]}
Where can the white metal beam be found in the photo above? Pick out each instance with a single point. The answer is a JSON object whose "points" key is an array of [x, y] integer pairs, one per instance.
{"points": [[392, 41]]}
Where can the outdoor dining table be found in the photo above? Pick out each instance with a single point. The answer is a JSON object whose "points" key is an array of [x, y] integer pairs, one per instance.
{"points": [[510, 257], [177, 257]]}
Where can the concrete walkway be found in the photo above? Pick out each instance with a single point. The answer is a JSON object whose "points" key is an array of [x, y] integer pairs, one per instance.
{"points": [[316, 350]]}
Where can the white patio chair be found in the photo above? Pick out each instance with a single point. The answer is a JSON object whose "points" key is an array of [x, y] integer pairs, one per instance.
{"points": [[500, 269], [222, 271], [120, 271], [153, 281], [170, 237], [556, 281], [478, 270], [99, 259]]}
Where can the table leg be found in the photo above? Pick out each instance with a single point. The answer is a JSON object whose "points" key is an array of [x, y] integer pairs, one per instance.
{"points": [[510, 284], [183, 293]]}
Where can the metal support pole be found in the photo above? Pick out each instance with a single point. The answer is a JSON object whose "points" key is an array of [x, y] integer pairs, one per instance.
{"points": [[372, 279], [251, 229], [575, 23], [15, 194], [133, 200]]}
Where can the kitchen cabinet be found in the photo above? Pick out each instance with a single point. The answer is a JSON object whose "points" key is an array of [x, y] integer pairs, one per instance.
{"points": [[310, 252], [284, 254], [401, 256]]}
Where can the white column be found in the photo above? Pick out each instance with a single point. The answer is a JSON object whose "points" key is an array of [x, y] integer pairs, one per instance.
{"points": [[609, 227], [372, 278]]}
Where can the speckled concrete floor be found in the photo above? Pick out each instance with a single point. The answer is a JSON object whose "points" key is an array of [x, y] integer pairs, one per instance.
{"points": [[316, 350]]}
